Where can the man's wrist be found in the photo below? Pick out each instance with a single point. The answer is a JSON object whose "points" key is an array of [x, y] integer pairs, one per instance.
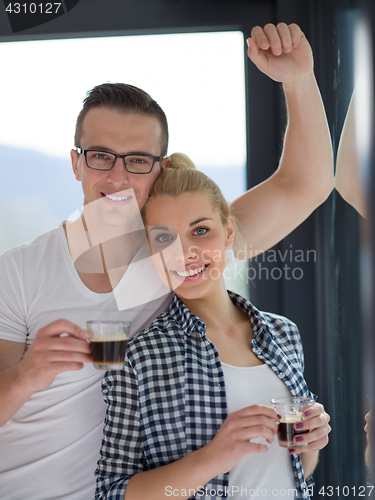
{"points": [[23, 383]]}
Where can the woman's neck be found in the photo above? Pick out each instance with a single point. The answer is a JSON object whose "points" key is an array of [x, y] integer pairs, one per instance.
{"points": [[216, 309], [227, 327]]}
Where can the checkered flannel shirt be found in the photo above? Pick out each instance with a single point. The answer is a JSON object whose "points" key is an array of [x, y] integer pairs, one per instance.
{"points": [[170, 399]]}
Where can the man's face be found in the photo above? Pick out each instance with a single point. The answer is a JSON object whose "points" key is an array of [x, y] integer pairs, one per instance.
{"points": [[111, 193]]}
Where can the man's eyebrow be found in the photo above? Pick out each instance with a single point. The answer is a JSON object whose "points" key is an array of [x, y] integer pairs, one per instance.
{"points": [[99, 148], [199, 220], [104, 149]]}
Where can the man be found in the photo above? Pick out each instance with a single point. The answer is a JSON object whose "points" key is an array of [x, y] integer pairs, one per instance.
{"points": [[52, 408]]}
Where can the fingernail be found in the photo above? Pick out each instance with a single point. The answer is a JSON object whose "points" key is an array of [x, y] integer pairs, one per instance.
{"points": [[247, 41], [264, 44], [291, 451], [299, 426], [279, 416], [307, 413], [298, 439]]}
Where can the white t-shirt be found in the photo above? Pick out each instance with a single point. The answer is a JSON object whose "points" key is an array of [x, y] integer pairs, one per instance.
{"points": [[49, 449], [258, 475]]}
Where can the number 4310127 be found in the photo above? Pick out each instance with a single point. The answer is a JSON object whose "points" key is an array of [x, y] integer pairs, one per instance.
{"points": [[33, 8], [346, 491]]}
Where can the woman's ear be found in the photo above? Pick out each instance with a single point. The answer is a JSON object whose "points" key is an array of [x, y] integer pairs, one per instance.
{"points": [[231, 230]]}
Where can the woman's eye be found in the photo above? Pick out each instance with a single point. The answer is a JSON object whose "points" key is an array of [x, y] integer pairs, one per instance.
{"points": [[201, 230]]}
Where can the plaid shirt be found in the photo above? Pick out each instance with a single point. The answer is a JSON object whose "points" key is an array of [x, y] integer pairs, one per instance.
{"points": [[170, 398]]}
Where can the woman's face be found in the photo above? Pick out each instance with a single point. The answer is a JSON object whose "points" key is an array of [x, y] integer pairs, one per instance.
{"points": [[187, 241]]}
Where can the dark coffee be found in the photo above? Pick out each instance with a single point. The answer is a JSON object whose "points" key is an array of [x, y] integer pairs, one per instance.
{"points": [[107, 352], [287, 432]]}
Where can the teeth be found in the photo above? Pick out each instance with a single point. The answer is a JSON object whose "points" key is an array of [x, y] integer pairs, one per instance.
{"points": [[117, 198], [185, 274]]}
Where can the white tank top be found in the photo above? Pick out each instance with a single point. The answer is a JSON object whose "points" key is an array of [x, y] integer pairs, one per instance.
{"points": [[268, 475]]}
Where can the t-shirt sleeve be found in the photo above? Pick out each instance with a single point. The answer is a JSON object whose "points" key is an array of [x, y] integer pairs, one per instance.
{"points": [[13, 325], [121, 454]]}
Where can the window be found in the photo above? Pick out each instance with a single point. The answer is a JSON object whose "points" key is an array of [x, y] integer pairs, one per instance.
{"points": [[198, 79]]}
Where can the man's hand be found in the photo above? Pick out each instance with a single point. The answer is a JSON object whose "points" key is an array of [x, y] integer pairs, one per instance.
{"points": [[281, 52], [52, 353], [49, 355]]}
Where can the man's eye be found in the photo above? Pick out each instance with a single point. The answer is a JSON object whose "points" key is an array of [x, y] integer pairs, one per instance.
{"points": [[201, 230], [140, 160], [163, 238], [100, 156]]}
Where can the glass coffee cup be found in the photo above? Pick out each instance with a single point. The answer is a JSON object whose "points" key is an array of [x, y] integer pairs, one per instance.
{"points": [[108, 340], [291, 412]]}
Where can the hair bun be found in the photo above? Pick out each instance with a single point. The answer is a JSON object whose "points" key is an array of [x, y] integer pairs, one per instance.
{"points": [[180, 160]]}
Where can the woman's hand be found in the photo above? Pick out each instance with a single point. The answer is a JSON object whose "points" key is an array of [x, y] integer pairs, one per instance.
{"points": [[368, 430], [316, 422], [233, 439], [281, 52]]}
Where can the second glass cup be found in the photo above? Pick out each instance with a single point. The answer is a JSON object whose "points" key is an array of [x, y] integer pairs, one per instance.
{"points": [[291, 412]]}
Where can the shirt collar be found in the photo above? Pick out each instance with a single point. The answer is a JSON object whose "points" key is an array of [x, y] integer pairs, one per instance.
{"points": [[189, 322], [257, 319]]}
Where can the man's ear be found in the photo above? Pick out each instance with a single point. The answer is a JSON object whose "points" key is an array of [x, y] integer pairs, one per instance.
{"points": [[164, 164], [231, 230], [74, 156]]}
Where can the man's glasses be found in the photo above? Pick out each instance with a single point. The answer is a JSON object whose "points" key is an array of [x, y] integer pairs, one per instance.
{"points": [[134, 164]]}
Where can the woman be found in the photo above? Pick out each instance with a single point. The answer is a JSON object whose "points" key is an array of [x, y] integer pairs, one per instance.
{"points": [[192, 401]]}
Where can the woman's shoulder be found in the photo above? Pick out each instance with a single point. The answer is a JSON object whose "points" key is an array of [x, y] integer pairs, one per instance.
{"points": [[280, 322], [264, 318]]}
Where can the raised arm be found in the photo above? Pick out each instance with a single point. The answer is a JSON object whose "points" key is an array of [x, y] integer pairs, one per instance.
{"points": [[304, 179]]}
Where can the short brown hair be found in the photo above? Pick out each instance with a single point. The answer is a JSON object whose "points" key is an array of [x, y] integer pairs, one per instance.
{"points": [[125, 99]]}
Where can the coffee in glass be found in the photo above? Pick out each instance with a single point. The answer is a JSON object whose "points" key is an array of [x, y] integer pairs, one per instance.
{"points": [[108, 341], [291, 412]]}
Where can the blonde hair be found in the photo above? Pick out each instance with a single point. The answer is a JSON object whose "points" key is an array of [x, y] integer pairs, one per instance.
{"points": [[182, 177]]}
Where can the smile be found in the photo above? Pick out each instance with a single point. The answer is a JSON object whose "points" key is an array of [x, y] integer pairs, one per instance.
{"points": [[192, 272], [117, 198]]}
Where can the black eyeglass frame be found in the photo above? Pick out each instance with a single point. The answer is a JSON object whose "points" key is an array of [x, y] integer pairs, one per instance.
{"points": [[85, 151]]}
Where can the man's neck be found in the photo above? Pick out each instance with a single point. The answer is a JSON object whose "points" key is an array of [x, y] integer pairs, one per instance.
{"points": [[101, 267]]}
